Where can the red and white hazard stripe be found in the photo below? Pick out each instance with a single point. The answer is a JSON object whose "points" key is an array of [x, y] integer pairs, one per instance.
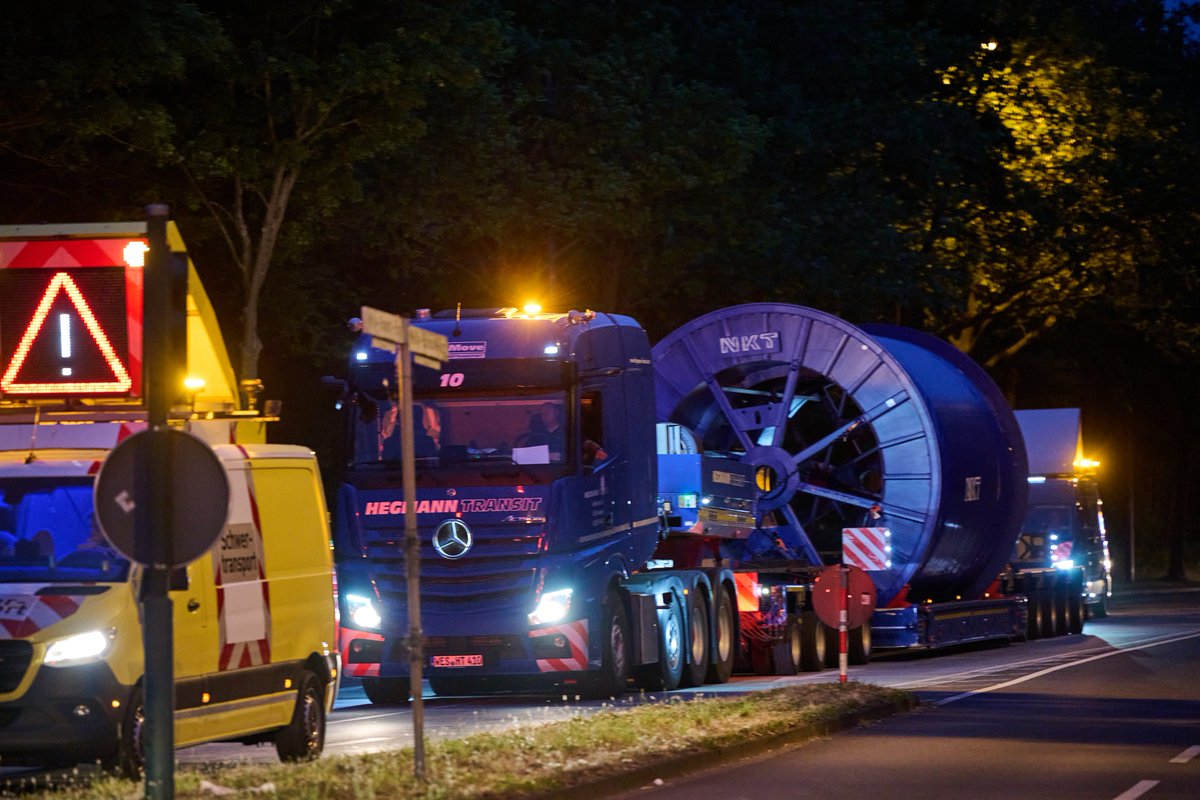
{"points": [[23, 616], [866, 548], [576, 634], [236, 652]]}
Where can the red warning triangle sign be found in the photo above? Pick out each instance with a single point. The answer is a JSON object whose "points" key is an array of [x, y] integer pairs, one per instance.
{"points": [[121, 382]]}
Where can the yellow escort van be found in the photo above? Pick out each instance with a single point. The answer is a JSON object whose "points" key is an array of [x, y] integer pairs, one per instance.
{"points": [[255, 633]]}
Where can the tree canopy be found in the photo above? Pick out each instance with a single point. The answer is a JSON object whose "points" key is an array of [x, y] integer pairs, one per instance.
{"points": [[1003, 174]]}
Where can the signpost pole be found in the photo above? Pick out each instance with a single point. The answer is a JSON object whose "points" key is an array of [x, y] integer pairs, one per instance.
{"points": [[430, 350], [412, 555], [843, 621], [153, 519]]}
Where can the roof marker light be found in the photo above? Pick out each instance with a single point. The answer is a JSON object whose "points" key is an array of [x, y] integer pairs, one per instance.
{"points": [[532, 307], [135, 254]]}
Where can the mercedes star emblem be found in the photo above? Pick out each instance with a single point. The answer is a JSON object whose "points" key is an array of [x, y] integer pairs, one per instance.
{"points": [[452, 539]]}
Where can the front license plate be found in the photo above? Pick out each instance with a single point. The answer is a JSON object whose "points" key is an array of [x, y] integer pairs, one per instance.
{"points": [[475, 660]]}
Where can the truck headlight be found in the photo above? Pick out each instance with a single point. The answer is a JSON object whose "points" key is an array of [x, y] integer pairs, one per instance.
{"points": [[553, 607], [362, 612], [1066, 563], [82, 648]]}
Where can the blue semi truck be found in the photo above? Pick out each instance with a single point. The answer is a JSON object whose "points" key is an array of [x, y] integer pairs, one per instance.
{"points": [[595, 513]]}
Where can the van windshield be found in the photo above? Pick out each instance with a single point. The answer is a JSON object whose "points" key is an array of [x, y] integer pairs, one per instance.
{"points": [[47, 534]]}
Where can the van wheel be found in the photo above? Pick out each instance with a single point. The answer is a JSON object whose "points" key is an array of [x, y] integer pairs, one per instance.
{"points": [[720, 664], [698, 649], [130, 757], [304, 737], [386, 691]]}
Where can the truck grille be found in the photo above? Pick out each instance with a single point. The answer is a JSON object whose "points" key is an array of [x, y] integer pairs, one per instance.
{"points": [[498, 571], [15, 655]]}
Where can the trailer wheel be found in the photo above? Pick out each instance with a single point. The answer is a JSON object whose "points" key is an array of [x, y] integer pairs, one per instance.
{"points": [[1062, 604], [1033, 618], [833, 646], [787, 655], [860, 645], [386, 691], [303, 738], [720, 665], [812, 632], [697, 641], [614, 646], [1075, 611], [1046, 601]]}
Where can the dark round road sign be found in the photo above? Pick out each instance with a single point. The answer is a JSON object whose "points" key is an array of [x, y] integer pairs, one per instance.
{"points": [[827, 601], [197, 495]]}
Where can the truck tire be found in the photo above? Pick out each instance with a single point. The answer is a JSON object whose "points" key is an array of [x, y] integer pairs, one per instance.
{"points": [[787, 655], [303, 738], [1046, 601], [387, 691], [833, 646], [1075, 611], [614, 648], [860, 645], [665, 674], [1062, 604], [724, 646], [697, 641], [1033, 618], [813, 641]]}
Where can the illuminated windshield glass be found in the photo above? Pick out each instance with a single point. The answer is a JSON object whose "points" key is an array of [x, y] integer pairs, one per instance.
{"points": [[529, 429], [47, 533]]}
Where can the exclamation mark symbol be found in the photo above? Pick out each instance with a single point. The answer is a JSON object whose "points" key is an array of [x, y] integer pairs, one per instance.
{"points": [[64, 340]]}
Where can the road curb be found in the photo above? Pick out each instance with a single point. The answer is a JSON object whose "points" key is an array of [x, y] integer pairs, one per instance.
{"points": [[690, 763]]}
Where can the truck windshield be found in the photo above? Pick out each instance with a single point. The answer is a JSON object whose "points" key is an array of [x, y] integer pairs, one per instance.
{"points": [[1049, 520], [47, 533], [529, 429]]}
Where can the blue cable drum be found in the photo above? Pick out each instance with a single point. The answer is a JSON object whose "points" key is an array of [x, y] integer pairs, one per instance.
{"points": [[836, 423]]}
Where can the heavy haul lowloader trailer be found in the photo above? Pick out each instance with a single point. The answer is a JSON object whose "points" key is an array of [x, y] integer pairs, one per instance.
{"points": [[594, 512]]}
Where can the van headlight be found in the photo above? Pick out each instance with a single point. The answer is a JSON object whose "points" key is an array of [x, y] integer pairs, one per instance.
{"points": [[82, 648], [553, 607], [362, 612]]}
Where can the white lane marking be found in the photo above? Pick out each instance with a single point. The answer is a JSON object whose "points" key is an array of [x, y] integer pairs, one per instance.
{"points": [[1048, 670], [1137, 790], [1186, 755]]}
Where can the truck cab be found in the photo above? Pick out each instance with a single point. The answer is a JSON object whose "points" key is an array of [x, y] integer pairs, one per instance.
{"points": [[534, 452], [1064, 519]]}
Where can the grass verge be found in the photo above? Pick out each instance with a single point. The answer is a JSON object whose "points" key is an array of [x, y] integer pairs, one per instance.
{"points": [[543, 759]]}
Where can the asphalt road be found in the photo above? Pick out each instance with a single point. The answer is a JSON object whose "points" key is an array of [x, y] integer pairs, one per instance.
{"points": [[356, 726], [1113, 714], [1077, 716]]}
